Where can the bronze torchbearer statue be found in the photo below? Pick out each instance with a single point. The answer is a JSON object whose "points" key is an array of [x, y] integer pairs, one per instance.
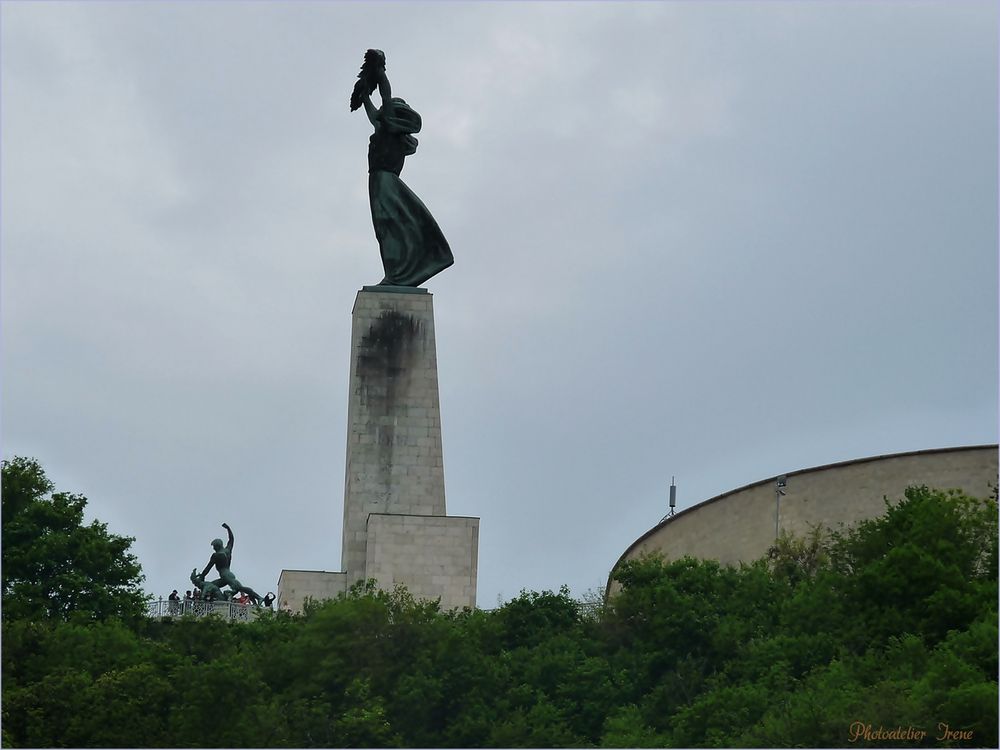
{"points": [[412, 246], [222, 559]]}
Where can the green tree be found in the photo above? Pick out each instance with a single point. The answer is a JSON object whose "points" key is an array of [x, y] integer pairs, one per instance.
{"points": [[926, 566], [893, 623], [626, 728], [54, 566], [363, 722]]}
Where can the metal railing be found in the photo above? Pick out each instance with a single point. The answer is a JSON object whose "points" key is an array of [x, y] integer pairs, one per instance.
{"points": [[199, 608]]}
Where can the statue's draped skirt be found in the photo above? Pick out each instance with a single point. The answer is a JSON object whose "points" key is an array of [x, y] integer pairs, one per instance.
{"points": [[411, 243]]}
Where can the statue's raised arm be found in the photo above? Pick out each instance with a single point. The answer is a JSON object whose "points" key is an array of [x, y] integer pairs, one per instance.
{"points": [[412, 246]]}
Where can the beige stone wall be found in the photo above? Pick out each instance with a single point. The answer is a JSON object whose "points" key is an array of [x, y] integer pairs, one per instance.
{"points": [[433, 556], [740, 525], [295, 586], [394, 457]]}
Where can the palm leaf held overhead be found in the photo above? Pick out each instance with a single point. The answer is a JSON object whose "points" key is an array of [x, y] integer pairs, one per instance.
{"points": [[368, 77]]}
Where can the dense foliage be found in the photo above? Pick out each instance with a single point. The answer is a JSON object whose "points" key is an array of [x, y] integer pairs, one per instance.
{"points": [[54, 566], [891, 624]]}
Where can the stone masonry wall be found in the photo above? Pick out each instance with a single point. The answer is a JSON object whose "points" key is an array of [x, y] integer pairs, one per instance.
{"points": [[295, 586], [396, 530], [436, 556], [739, 525], [394, 455]]}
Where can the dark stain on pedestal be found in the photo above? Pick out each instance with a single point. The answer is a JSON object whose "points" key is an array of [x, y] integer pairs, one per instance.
{"points": [[385, 361]]}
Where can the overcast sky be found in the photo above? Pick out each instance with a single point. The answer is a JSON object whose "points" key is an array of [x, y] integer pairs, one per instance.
{"points": [[720, 241]]}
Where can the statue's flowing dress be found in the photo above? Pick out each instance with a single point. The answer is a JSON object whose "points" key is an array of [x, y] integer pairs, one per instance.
{"points": [[411, 244]]}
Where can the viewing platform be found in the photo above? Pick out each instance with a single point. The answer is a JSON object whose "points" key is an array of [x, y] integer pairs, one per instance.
{"points": [[164, 608]]}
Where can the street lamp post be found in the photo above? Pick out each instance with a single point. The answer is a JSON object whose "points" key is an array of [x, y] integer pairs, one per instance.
{"points": [[779, 489]]}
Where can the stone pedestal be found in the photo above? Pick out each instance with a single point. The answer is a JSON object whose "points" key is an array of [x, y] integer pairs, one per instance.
{"points": [[394, 457], [396, 527]]}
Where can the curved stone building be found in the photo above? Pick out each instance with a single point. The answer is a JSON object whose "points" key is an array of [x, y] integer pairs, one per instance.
{"points": [[739, 526]]}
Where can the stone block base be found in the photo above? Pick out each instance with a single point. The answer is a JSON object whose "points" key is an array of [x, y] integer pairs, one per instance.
{"points": [[433, 556], [295, 586]]}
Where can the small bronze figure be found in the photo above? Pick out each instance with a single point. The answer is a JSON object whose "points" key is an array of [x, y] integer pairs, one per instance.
{"points": [[209, 591], [222, 559], [412, 245]]}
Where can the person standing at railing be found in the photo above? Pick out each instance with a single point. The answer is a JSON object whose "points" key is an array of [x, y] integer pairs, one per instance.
{"points": [[174, 602]]}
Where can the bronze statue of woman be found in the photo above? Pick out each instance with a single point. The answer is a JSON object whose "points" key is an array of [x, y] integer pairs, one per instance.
{"points": [[412, 246]]}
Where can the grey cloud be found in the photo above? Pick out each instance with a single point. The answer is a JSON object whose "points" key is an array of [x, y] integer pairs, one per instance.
{"points": [[719, 241]]}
